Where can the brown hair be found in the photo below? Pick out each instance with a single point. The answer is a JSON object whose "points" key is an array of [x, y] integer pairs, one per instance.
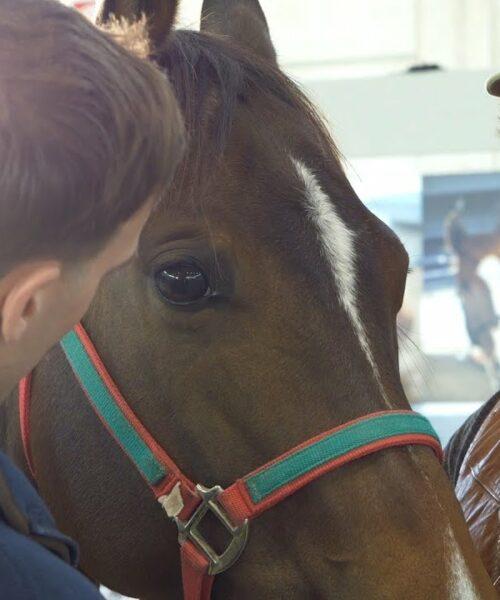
{"points": [[88, 132]]}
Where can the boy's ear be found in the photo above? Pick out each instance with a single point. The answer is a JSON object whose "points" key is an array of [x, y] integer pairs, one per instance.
{"points": [[21, 297]]}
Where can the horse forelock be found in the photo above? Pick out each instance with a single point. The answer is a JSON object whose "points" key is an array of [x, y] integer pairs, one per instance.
{"points": [[212, 77]]}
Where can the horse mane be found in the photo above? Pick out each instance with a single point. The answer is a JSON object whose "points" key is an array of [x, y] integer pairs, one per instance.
{"points": [[211, 76]]}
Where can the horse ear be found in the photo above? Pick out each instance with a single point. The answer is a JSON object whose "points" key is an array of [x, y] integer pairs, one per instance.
{"points": [[241, 20], [160, 16]]}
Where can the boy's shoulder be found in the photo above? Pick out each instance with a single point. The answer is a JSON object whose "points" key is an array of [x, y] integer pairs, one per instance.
{"points": [[36, 560], [28, 571]]}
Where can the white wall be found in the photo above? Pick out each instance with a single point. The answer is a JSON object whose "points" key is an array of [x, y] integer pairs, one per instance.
{"points": [[410, 114], [339, 38]]}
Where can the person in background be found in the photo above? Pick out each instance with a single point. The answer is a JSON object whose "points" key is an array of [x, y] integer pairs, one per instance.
{"points": [[474, 292], [472, 461], [90, 135]]}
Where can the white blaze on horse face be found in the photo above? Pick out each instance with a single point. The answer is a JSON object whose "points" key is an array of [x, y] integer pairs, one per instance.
{"points": [[461, 586], [339, 248]]}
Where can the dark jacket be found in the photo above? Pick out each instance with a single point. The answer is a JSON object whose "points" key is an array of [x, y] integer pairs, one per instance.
{"points": [[473, 463], [37, 562]]}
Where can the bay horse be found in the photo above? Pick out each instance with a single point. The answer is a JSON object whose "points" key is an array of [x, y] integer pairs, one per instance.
{"points": [[259, 311]]}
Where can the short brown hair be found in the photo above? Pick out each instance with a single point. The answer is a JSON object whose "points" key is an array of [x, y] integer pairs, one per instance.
{"points": [[88, 132]]}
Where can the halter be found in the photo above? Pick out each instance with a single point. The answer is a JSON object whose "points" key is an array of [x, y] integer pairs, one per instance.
{"points": [[187, 503]]}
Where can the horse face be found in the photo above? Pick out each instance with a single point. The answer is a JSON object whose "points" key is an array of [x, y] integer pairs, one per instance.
{"points": [[260, 311], [262, 284]]}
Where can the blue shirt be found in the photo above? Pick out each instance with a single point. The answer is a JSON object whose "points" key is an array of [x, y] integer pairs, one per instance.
{"points": [[37, 562]]}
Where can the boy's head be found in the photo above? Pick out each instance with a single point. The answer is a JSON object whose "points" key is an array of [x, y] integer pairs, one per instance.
{"points": [[90, 135]]}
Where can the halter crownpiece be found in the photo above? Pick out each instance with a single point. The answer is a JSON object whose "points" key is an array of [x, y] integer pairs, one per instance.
{"points": [[188, 504]]}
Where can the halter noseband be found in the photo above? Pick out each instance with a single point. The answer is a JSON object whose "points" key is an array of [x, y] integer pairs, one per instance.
{"points": [[187, 503]]}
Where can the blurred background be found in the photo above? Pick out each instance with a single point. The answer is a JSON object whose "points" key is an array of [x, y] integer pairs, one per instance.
{"points": [[402, 85]]}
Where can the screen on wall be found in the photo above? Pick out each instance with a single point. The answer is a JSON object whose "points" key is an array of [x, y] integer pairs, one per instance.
{"points": [[460, 300]]}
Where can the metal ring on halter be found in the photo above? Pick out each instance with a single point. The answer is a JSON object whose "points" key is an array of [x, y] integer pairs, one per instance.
{"points": [[189, 531]]}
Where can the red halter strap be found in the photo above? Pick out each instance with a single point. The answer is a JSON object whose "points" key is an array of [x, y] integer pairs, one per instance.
{"points": [[248, 497], [24, 419]]}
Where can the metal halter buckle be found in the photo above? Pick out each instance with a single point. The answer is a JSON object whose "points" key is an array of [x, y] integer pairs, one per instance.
{"points": [[189, 531]]}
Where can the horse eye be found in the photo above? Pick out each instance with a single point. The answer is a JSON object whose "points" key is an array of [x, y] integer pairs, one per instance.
{"points": [[182, 283]]}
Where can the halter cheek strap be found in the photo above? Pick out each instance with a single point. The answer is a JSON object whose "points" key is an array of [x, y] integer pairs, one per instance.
{"points": [[186, 503]]}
